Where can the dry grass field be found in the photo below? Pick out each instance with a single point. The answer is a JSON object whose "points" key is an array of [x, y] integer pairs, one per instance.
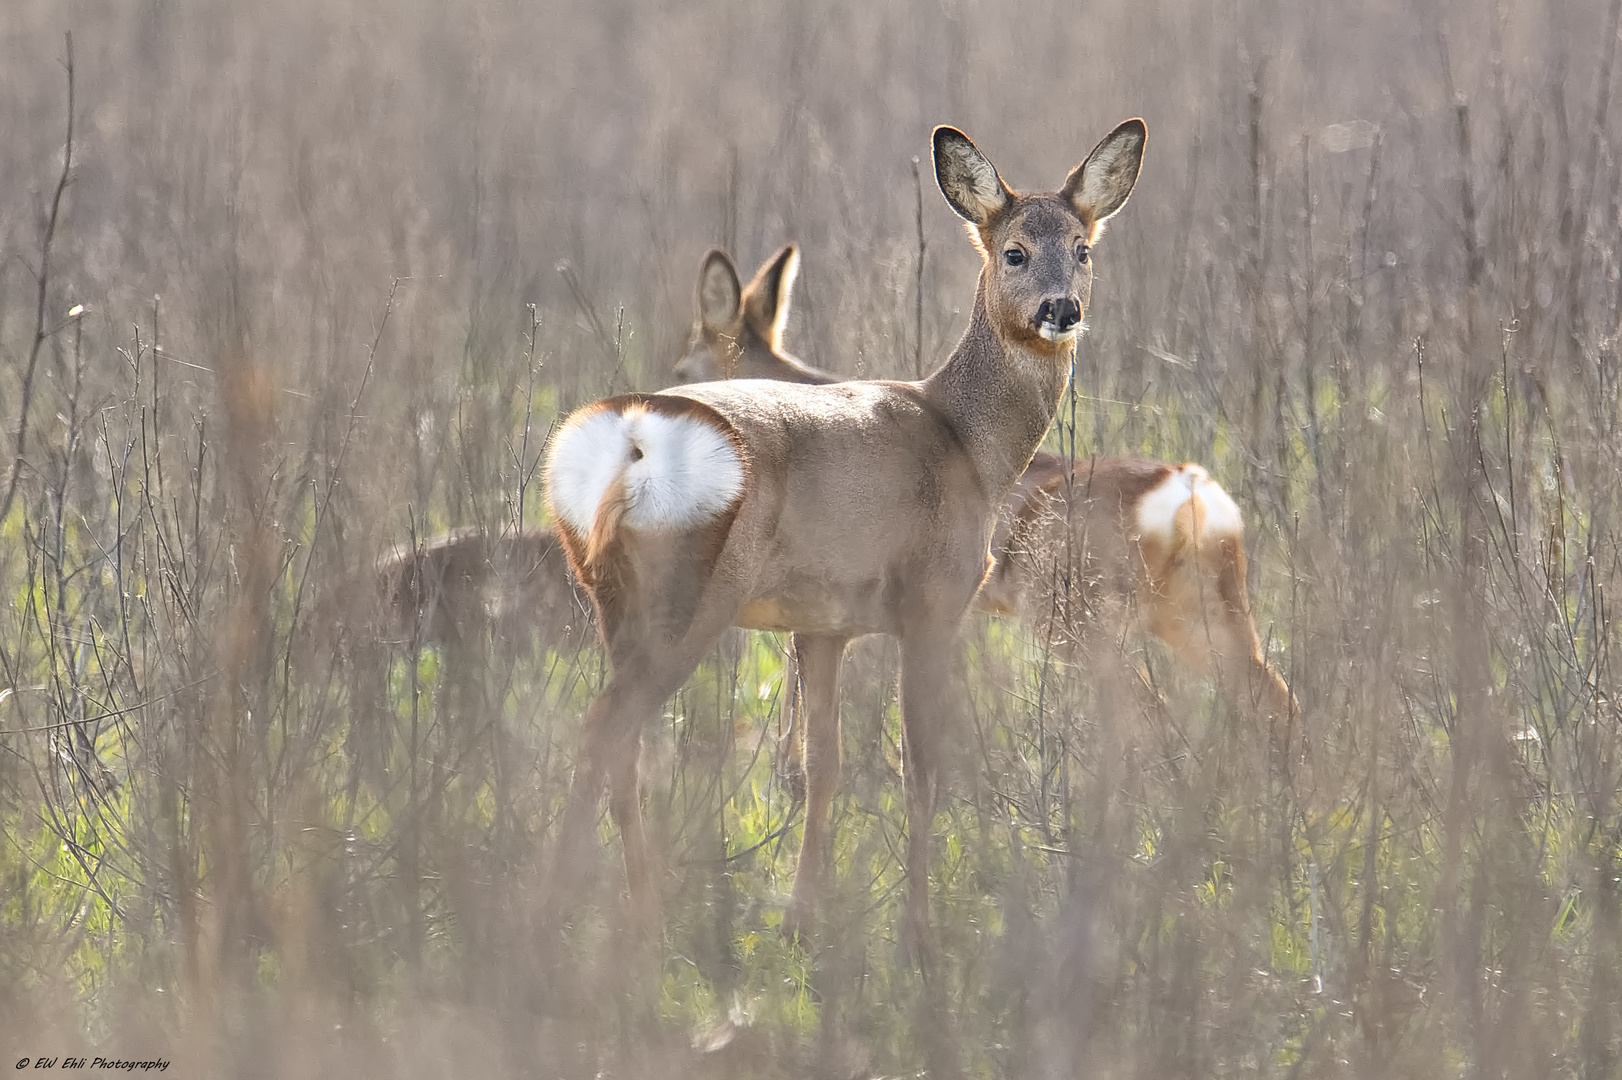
{"points": [[318, 278]]}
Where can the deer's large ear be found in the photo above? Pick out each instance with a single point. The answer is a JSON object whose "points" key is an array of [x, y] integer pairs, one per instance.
{"points": [[766, 298], [720, 298], [1100, 186], [967, 179]]}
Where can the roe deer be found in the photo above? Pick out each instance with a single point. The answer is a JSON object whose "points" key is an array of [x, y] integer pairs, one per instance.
{"points": [[830, 511], [1071, 543], [447, 591]]}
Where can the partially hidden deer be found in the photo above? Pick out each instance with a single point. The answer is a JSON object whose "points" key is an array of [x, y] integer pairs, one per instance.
{"points": [[1074, 541], [738, 329], [451, 588], [829, 511]]}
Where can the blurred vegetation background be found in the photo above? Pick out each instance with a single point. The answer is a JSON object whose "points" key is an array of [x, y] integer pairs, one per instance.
{"points": [[318, 278]]}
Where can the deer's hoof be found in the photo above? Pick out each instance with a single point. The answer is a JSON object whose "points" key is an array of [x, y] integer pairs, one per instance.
{"points": [[797, 921]]}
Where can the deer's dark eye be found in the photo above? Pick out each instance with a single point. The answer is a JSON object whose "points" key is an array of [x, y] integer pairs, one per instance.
{"points": [[1014, 257], [1081, 253]]}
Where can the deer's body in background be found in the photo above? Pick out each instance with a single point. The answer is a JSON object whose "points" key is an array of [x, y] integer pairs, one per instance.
{"points": [[830, 511], [448, 590], [1083, 545]]}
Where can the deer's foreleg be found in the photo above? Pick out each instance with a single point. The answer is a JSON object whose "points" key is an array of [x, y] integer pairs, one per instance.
{"points": [[818, 660], [925, 708]]}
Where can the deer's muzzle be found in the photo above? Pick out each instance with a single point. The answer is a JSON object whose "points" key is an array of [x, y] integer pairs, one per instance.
{"points": [[1058, 318]]}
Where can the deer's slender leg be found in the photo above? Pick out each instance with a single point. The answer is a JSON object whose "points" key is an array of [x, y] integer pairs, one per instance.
{"points": [[925, 708], [1204, 616], [790, 763], [819, 660], [1238, 651], [648, 669], [625, 805], [927, 700], [611, 738]]}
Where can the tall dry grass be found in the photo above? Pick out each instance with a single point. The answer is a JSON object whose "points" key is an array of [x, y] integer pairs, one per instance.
{"points": [[1370, 278]]}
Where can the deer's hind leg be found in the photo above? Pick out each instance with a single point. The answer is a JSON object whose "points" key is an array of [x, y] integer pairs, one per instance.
{"points": [[659, 614], [1200, 608], [1250, 682]]}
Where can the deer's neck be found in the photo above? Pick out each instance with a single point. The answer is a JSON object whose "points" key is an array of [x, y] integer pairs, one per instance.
{"points": [[999, 397]]}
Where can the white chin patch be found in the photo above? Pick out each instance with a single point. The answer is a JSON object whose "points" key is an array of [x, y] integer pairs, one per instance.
{"points": [[678, 471], [1053, 333]]}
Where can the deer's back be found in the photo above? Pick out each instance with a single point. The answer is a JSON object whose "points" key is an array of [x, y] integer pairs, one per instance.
{"points": [[860, 504]]}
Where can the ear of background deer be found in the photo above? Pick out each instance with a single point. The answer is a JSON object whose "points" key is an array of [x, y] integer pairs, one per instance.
{"points": [[766, 298], [1101, 184], [720, 297], [967, 179]]}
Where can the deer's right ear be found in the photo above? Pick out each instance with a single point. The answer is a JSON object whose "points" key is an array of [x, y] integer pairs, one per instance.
{"points": [[969, 181], [720, 297], [1100, 186]]}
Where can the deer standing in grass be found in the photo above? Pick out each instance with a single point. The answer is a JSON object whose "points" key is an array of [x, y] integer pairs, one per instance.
{"points": [[828, 511]]}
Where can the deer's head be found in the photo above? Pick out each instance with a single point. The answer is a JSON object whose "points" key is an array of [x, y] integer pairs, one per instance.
{"points": [[738, 331], [1038, 271]]}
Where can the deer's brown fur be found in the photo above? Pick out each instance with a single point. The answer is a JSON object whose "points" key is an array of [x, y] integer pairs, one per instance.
{"points": [[450, 588]]}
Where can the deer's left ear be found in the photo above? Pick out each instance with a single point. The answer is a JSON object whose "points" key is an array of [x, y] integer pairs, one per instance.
{"points": [[1100, 186], [719, 295], [766, 298]]}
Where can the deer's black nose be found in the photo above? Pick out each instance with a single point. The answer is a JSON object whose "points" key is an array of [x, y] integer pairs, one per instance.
{"points": [[1063, 314]]}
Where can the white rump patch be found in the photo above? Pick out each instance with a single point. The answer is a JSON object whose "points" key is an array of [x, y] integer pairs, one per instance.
{"points": [[678, 470], [1218, 515], [1222, 516]]}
